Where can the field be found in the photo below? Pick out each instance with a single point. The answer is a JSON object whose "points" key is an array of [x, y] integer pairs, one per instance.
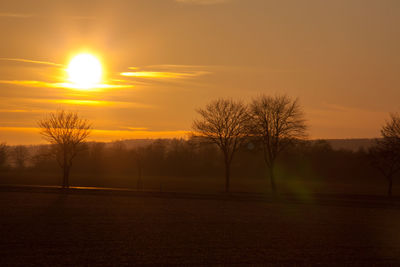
{"points": [[43, 226], [211, 184]]}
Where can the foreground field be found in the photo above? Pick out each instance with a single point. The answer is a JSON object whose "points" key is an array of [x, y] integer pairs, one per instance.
{"points": [[46, 227], [212, 184]]}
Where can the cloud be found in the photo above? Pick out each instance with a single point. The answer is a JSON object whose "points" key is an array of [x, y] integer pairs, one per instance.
{"points": [[87, 102], [110, 135], [30, 83], [167, 75], [12, 128], [135, 128], [202, 2], [67, 101], [159, 72], [30, 135], [165, 72], [95, 88], [21, 60], [15, 15], [18, 110], [64, 85], [174, 66]]}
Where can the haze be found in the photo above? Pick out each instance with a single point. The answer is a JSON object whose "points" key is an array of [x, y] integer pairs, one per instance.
{"points": [[163, 59]]}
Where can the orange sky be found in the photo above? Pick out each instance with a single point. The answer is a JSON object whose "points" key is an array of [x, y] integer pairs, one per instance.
{"points": [[165, 58]]}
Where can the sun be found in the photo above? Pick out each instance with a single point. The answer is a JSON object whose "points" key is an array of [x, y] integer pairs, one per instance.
{"points": [[85, 71]]}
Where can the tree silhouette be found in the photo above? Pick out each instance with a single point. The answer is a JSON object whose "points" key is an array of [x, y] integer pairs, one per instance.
{"points": [[276, 121], [20, 154], [223, 122], [67, 133], [137, 155], [3, 154], [385, 155]]}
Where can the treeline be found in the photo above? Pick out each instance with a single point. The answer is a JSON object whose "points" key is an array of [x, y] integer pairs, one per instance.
{"points": [[266, 137], [192, 157]]}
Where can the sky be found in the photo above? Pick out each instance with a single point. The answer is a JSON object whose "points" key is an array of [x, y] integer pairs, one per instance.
{"points": [[163, 59]]}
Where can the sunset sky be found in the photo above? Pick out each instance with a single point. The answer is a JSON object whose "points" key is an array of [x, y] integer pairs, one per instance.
{"points": [[162, 59]]}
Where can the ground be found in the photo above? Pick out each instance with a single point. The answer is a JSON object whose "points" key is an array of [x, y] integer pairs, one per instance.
{"points": [[88, 227]]}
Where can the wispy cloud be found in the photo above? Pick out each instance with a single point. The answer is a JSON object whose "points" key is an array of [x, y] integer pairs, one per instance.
{"points": [[84, 102], [154, 72], [166, 75], [32, 61], [25, 105], [25, 129], [18, 110], [165, 72], [109, 135], [87, 102], [15, 15], [95, 88], [176, 67], [135, 128], [30, 83], [58, 82], [202, 2], [100, 134]]}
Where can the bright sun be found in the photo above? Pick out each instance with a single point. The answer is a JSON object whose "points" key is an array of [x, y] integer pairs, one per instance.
{"points": [[85, 71]]}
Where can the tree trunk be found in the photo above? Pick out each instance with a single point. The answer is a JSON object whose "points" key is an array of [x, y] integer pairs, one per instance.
{"points": [[390, 187], [139, 181], [65, 167], [227, 175], [66, 177], [272, 178], [64, 182]]}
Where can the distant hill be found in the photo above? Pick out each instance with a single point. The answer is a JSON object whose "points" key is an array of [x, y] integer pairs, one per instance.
{"points": [[351, 144], [337, 144], [133, 143]]}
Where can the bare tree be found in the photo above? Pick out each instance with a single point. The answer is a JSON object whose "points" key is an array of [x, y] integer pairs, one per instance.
{"points": [[3, 154], [137, 155], [97, 155], [20, 155], [276, 121], [223, 122], [385, 155], [67, 132]]}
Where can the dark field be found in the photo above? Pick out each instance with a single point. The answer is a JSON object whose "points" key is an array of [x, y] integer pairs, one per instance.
{"points": [[46, 227], [212, 184]]}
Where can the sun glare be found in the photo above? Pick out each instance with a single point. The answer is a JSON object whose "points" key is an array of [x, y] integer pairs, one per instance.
{"points": [[85, 71]]}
